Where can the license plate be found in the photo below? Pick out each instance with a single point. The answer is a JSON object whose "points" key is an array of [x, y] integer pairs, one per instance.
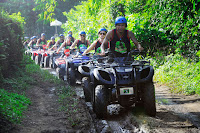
{"points": [[126, 91]]}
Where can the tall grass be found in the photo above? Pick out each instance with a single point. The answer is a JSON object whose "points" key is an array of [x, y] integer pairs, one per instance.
{"points": [[181, 74]]}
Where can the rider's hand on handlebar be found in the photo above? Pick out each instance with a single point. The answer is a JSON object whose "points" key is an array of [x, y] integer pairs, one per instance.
{"points": [[102, 53]]}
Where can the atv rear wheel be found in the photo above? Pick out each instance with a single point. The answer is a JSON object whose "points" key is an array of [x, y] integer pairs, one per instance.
{"points": [[37, 60], [149, 99], [46, 61], [42, 62], [87, 88], [50, 63], [71, 77], [101, 101], [33, 57]]}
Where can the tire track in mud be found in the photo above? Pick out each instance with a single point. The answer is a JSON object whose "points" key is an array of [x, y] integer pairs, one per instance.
{"points": [[176, 104]]}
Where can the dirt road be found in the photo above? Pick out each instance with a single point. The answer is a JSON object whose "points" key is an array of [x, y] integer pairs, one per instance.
{"points": [[175, 114]]}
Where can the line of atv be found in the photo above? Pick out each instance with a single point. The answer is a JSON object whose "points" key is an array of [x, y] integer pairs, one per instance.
{"points": [[105, 80]]}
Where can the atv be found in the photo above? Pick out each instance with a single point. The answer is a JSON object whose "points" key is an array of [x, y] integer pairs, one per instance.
{"points": [[32, 52], [119, 80], [61, 63], [38, 54], [72, 65], [44, 62]]}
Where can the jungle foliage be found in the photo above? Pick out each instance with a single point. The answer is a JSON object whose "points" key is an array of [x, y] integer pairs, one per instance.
{"points": [[39, 13], [169, 30], [11, 47], [160, 25]]}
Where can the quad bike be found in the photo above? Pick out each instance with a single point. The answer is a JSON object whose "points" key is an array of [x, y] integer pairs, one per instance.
{"points": [[61, 64], [32, 52], [38, 54], [52, 58], [119, 80], [44, 62], [72, 65], [58, 61]]}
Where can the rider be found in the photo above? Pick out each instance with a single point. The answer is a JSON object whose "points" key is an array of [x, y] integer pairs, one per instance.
{"points": [[59, 42], [67, 43], [120, 39], [33, 42], [70, 33], [51, 43], [27, 40], [96, 45], [42, 41], [82, 44]]}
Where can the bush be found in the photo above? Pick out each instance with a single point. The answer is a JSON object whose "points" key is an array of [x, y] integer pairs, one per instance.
{"points": [[11, 47]]}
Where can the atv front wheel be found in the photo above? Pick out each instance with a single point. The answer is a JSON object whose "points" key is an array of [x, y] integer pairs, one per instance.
{"points": [[71, 77], [101, 101], [87, 88], [46, 61], [149, 99], [41, 63], [59, 74], [33, 57], [37, 60]]}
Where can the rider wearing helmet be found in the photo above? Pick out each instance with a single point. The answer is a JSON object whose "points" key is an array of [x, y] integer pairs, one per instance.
{"points": [[70, 33], [68, 42], [51, 43], [59, 42], [27, 40], [120, 39], [42, 41], [82, 44], [96, 45], [33, 42]]}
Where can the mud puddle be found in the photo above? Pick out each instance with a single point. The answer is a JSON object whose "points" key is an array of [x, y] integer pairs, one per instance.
{"points": [[118, 120]]}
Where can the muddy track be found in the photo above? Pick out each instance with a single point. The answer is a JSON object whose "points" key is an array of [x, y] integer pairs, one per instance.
{"points": [[175, 114]]}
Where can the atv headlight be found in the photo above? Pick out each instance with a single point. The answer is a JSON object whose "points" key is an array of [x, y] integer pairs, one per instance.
{"points": [[124, 69]]}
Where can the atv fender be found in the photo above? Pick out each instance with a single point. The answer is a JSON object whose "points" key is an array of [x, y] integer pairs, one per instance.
{"points": [[104, 76], [84, 70], [145, 75]]}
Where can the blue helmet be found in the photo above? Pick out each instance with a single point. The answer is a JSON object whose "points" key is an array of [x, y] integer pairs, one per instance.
{"points": [[52, 38], [61, 35], [43, 34], [102, 29], [69, 32], [82, 32], [121, 20], [34, 37]]}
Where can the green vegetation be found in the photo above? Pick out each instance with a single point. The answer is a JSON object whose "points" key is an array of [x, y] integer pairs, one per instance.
{"points": [[179, 73], [13, 105], [13, 101], [164, 28], [69, 104], [39, 13], [11, 45]]}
